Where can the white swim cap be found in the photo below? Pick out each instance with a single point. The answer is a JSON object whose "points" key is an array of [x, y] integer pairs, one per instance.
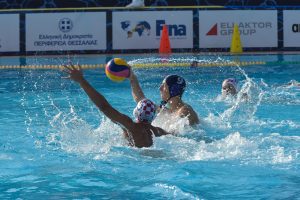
{"points": [[144, 111]]}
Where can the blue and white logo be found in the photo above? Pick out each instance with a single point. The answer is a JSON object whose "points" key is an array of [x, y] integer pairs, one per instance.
{"points": [[173, 29], [141, 28], [65, 25]]}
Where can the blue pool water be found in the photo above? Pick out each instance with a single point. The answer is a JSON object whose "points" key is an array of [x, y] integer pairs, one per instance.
{"points": [[55, 144]]}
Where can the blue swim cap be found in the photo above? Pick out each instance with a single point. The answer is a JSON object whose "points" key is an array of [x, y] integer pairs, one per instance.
{"points": [[176, 85]]}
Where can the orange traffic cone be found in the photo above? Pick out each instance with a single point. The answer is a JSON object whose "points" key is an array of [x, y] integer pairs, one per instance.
{"points": [[165, 47]]}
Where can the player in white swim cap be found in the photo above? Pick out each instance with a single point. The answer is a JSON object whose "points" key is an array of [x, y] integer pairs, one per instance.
{"points": [[144, 111], [139, 133]]}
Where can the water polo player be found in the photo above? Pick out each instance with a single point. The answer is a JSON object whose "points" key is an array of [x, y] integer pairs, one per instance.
{"points": [[171, 91], [139, 133], [229, 87]]}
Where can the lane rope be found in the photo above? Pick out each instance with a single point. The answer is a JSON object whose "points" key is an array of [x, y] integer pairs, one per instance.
{"points": [[159, 65]]}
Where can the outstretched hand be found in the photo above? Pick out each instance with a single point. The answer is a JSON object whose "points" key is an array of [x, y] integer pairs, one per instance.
{"points": [[74, 74]]}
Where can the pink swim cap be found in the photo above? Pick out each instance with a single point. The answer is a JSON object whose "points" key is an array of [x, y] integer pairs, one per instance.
{"points": [[232, 81]]}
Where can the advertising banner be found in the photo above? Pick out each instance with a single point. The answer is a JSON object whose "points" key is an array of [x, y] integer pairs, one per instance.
{"points": [[291, 28], [9, 33], [66, 31], [142, 29], [258, 28]]}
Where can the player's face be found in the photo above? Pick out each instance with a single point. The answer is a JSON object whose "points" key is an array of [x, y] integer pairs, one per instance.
{"points": [[228, 88], [164, 91]]}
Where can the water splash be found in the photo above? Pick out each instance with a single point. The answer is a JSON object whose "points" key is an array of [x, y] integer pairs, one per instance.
{"points": [[168, 191], [71, 133], [171, 122], [74, 135], [258, 150]]}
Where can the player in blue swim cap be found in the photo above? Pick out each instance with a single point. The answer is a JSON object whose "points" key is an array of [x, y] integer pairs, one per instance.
{"points": [[140, 132], [176, 86], [171, 91]]}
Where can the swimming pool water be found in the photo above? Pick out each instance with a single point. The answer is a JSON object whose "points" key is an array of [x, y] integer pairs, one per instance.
{"points": [[55, 144]]}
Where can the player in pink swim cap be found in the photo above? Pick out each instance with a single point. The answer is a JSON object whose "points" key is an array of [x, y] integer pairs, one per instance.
{"points": [[229, 87], [139, 133]]}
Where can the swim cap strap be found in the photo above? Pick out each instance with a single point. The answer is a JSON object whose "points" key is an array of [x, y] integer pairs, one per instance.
{"points": [[163, 103]]}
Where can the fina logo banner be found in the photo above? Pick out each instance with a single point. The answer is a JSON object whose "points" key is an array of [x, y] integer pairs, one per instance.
{"points": [[291, 28], [258, 28], [9, 33], [65, 31], [142, 29]]}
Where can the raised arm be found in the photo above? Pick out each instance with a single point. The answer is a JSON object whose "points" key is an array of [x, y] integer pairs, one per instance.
{"points": [[98, 99], [136, 90]]}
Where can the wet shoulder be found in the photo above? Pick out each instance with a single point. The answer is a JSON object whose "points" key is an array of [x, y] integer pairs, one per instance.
{"points": [[188, 111], [142, 135], [143, 128]]}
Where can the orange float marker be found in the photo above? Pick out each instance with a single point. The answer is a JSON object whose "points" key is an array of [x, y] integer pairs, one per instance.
{"points": [[165, 46]]}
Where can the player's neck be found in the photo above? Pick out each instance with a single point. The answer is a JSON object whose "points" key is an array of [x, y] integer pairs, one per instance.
{"points": [[175, 103]]}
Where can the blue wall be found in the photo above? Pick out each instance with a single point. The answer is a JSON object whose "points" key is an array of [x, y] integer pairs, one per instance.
{"points": [[7, 4]]}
